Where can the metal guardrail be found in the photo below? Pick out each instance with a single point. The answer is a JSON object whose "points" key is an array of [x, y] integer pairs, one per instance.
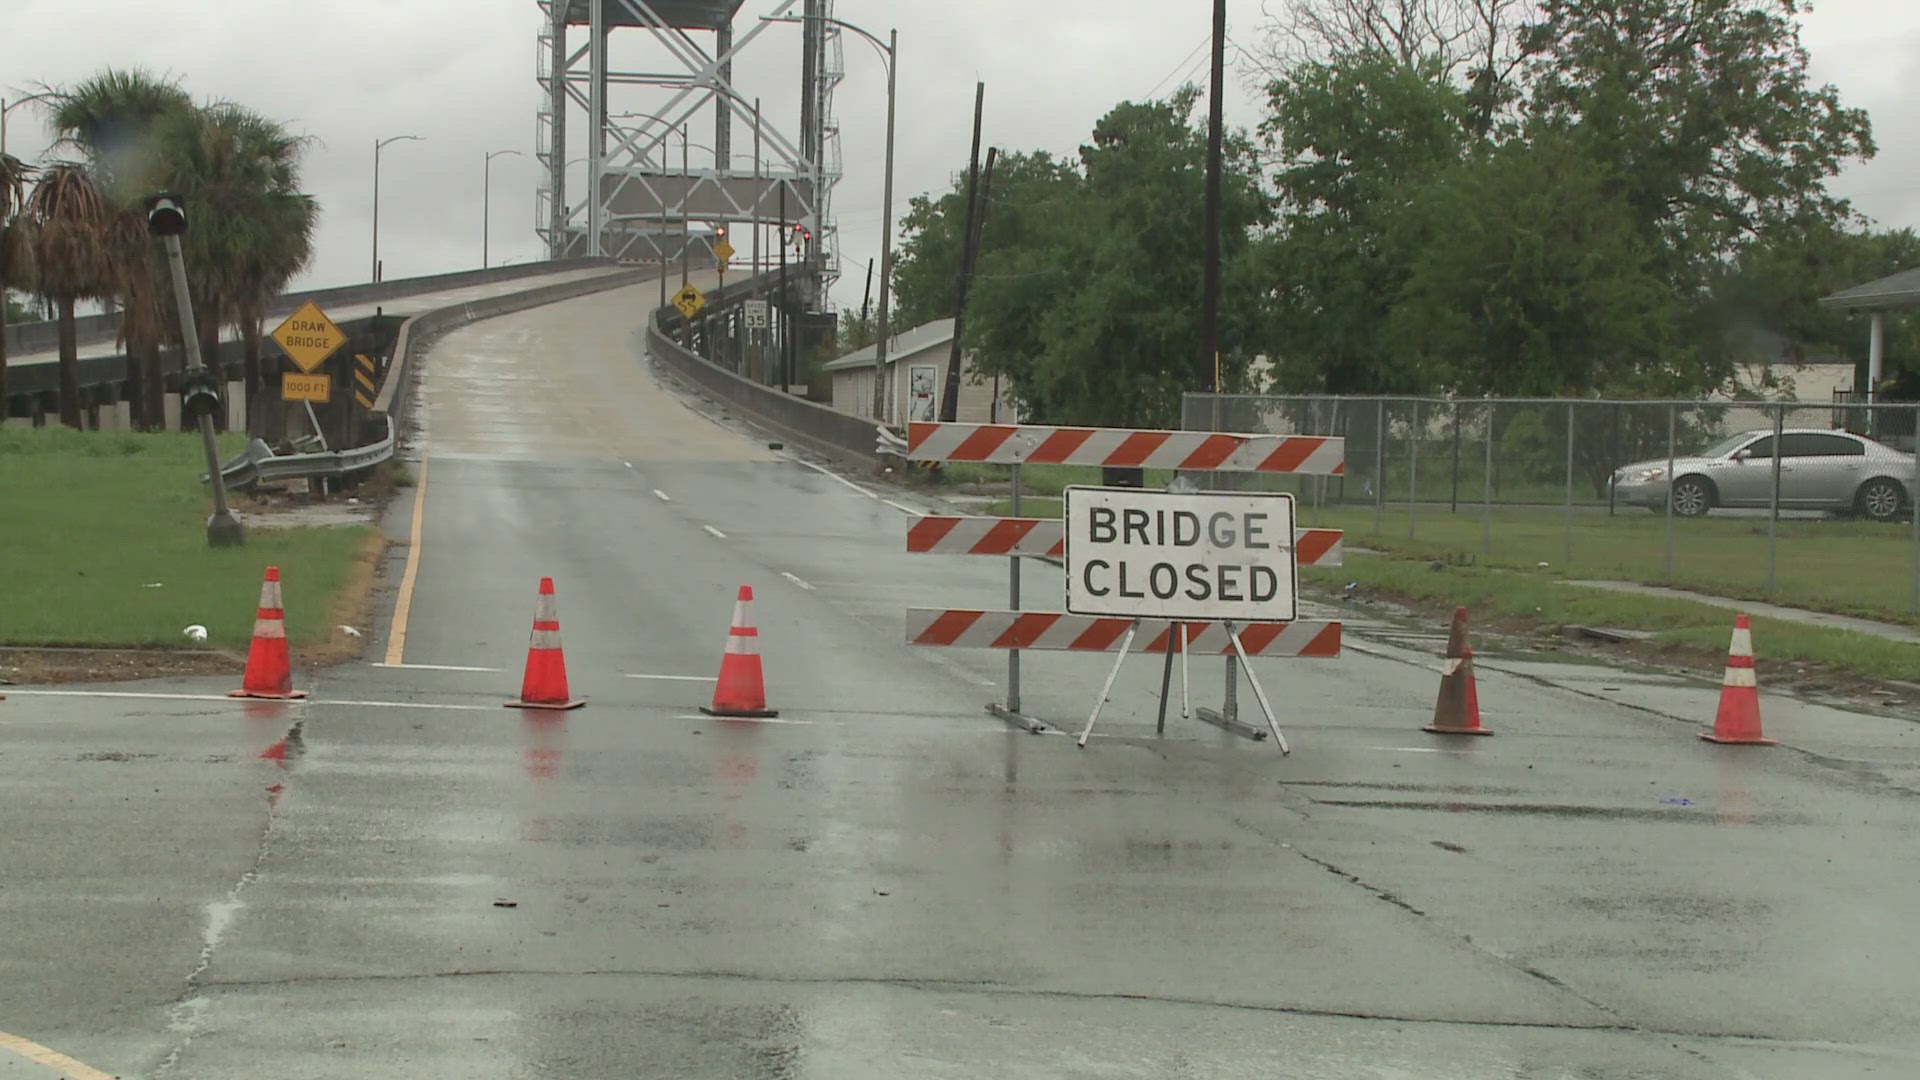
{"points": [[819, 428], [258, 464]]}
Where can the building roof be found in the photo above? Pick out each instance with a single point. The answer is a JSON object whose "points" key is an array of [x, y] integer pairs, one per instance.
{"points": [[1890, 293], [909, 343]]}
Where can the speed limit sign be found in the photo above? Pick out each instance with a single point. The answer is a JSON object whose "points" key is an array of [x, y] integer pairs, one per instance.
{"points": [[756, 314]]}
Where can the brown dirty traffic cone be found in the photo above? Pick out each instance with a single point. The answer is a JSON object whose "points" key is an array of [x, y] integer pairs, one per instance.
{"points": [[1457, 711], [742, 689], [1738, 720], [544, 685], [269, 668]]}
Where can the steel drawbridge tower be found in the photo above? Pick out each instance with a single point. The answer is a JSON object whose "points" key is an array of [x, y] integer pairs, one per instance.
{"points": [[642, 199]]}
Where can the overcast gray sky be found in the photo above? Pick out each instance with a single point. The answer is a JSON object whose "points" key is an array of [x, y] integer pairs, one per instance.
{"points": [[460, 73]]}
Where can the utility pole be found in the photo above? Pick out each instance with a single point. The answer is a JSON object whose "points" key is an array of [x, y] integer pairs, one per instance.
{"points": [[976, 228], [1210, 267], [950, 394]]}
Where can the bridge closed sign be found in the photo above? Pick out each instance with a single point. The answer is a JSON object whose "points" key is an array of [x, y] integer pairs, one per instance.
{"points": [[1155, 554]]}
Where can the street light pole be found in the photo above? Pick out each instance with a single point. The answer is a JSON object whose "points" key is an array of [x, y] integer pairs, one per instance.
{"points": [[486, 201], [890, 52], [374, 274]]}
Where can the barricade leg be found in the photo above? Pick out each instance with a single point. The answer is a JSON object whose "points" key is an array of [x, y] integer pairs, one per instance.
{"points": [[1185, 710], [1260, 695], [1107, 687]]}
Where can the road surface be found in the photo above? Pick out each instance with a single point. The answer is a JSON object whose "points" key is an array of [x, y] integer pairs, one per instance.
{"points": [[887, 882]]}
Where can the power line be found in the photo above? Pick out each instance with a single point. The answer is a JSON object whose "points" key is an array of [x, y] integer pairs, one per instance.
{"points": [[1184, 63]]}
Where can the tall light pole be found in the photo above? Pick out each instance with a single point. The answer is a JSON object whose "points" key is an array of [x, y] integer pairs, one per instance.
{"points": [[657, 250], [890, 52], [486, 200], [378, 143]]}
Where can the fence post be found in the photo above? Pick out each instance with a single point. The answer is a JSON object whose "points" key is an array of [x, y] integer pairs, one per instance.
{"points": [[1413, 467], [1566, 553], [1380, 467], [1673, 420], [1453, 506], [1773, 497], [1013, 603], [1486, 495]]}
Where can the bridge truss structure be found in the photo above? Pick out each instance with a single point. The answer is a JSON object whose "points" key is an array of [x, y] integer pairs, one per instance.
{"points": [[641, 199]]}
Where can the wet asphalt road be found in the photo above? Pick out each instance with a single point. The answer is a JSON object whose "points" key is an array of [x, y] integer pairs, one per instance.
{"points": [[889, 883]]}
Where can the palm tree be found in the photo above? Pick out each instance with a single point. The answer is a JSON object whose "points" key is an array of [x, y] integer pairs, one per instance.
{"points": [[253, 231], [69, 221], [13, 249], [116, 120]]}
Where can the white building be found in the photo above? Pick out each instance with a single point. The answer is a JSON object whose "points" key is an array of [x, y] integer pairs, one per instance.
{"points": [[917, 360]]}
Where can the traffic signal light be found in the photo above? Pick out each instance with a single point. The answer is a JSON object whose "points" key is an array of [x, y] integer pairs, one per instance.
{"points": [[720, 232], [199, 394], [166, 214]]}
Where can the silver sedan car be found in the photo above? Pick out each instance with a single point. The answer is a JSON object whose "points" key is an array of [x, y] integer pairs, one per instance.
{"points": [[1819, 470]]}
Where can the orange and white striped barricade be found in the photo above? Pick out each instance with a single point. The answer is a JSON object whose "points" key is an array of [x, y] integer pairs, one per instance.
{"points": [[1190, 617]]}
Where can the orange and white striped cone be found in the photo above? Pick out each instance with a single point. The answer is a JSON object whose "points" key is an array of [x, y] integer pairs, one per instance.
{"points": [[544, 685], [269, 668], [1738, 720], [1457, 709], [742, 689]]}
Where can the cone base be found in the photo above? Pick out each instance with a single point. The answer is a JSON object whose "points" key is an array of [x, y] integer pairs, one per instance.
{"points": [[557, 706], [290, 695], [1755, 741], [1438, 730], [744, 714]]}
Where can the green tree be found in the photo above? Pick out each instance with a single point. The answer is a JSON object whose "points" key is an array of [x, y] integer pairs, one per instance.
{"points": [[1701, 113], [115, 121], [1359, 138], [1093, 316], [252, 230], [69, 220], [926, 267], [1530, 279]]}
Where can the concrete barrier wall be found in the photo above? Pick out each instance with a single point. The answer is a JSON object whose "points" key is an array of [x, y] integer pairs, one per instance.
{"points": [[32, 337], [819, 428]]}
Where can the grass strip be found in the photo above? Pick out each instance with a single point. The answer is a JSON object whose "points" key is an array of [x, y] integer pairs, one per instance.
{"points": [[1524, 596], [103, 544]]}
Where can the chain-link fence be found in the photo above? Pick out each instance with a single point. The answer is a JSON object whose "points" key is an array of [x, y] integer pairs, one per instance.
{"points": [[1686, 493]]}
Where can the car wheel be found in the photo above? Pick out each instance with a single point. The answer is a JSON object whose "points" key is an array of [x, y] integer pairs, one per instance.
{"points": [[1692, 496], [1880, 499]]}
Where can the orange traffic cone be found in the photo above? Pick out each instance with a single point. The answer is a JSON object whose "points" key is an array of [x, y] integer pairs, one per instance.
{"points": [[1457, 711], [742, 690], [1738, 720], [269, 669], [544, 686]]}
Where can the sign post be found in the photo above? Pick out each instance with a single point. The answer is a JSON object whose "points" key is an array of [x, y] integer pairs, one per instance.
{"points": [[1161, 555]]}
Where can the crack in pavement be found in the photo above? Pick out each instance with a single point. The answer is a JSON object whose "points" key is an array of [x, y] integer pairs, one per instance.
{"points": [[186, 1014]]}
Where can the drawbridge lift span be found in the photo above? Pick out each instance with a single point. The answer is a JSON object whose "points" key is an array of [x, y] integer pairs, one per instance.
{"points": [[648, 201]]}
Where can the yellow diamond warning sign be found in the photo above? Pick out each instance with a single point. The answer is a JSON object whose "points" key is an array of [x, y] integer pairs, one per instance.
{"points": [[723, 251], [689, 300], [309, 337]]}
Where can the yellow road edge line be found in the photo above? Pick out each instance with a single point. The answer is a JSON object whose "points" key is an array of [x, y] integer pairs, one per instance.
{"points": [[402, 607], [52, 1059]]}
